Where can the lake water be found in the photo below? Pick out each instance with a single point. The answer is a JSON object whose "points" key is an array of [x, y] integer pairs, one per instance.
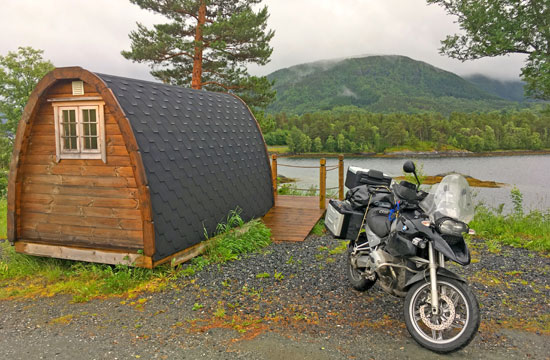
{"points": [[530, 173]]}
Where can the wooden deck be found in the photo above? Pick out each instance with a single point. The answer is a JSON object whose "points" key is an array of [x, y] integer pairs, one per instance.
{"points": [[293, 217]]}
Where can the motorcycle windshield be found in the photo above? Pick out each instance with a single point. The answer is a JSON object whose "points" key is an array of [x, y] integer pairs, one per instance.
{"points": [[451, 198]]}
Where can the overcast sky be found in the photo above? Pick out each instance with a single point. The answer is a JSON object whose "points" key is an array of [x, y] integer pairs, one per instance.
{"points": [[91, 33]]}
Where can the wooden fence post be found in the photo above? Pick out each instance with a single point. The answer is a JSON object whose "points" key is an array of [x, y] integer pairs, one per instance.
{"points": [[322, 183], [341, 177], [274, 175]]}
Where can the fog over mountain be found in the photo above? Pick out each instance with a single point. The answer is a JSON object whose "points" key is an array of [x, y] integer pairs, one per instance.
{"points": [[388, 83]]}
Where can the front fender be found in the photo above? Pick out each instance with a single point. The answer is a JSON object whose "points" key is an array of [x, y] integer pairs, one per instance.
{"points": [[425, 275]]}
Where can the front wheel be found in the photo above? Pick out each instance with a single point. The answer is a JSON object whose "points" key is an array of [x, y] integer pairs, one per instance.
{"points": [[456, 323]]}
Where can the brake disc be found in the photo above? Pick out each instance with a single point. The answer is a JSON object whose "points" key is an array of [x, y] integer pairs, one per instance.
{"points": [[446, 322]]}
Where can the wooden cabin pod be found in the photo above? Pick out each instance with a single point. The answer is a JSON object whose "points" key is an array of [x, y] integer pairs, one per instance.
{"points": [[109, 169]]}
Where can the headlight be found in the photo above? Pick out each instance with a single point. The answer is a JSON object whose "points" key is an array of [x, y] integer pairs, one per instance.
{"points": [[452, 227]]}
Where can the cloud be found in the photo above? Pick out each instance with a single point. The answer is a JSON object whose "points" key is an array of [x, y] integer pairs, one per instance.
{"points": [[91, 34], [347, 92]]}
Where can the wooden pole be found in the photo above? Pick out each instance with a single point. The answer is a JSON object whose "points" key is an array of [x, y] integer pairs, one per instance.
{"points": [[274, 174], [341, 177], [322, 183]]}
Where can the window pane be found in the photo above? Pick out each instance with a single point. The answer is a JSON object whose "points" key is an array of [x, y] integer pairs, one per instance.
{"points": [[93, 129], [85, 117], [86, 127], [93, 117], [90, 143], [68, 123], [66, 130]]}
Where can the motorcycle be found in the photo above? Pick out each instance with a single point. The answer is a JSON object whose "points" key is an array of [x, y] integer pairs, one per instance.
{"points": [[403, 237]]}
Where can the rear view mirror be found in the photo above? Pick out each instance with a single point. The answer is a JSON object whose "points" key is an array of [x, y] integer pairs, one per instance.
{"points": [[408, 167]]}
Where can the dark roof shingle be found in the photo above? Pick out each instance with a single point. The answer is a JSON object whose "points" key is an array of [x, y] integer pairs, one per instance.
{"points": [[203, 155]]}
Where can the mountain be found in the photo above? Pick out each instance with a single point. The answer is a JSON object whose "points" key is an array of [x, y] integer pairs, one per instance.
{"points": [[379, 84], [508, 90]]}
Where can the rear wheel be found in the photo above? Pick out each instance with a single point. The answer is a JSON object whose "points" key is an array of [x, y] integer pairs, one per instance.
{"points": [[456, 323], [357, 281]]}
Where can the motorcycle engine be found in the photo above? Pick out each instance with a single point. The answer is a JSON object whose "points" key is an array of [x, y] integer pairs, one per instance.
{"points": [[392, 279]]}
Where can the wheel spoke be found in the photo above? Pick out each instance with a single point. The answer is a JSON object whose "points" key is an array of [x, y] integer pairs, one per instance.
{"points": [[455, 325], [454, 298]]}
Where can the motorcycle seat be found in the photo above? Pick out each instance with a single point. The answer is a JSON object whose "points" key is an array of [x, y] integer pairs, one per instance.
{"points": [[378, 221]]}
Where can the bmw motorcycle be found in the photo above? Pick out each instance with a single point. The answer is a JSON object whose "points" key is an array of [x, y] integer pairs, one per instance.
{"points": [[403, 238]]}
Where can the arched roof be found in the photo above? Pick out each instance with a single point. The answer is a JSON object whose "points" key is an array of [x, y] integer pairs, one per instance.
{"points": [[203, 154]]}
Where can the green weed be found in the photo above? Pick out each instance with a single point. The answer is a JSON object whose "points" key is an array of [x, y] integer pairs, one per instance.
{"points": [[319, 228], [262, 275], [278, 276], [220, 311], [340, 249], [527, 230]]}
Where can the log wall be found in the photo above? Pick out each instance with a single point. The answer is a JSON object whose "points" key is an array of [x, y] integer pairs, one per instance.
{"points": [[85, 203]]}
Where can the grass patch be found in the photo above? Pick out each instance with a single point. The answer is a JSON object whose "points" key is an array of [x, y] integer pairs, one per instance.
{"points": [[3, 218], [526, 230], [319, 228], [277, 149], [24, 276], [425, 146], [30, 276], [233, 239], [292, 189]]}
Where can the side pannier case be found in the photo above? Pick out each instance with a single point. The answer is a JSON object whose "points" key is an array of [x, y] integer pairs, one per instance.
{"points": [[342, 221]]}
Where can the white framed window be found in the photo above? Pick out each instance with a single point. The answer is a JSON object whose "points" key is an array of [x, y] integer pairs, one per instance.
{"points": [[79, 130]]}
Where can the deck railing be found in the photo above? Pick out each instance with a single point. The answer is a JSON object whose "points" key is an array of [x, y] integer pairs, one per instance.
{"points": [[323, 169]]}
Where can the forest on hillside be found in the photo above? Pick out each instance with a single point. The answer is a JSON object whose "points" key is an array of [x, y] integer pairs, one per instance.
{"points": [[354, 132], [389, 84]]}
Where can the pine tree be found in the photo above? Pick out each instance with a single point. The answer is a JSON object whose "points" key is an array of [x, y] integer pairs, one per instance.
{"points": [[207, 44]]}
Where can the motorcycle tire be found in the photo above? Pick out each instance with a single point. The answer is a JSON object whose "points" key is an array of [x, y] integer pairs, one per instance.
{"points": [[357, 281], [421, 327]]}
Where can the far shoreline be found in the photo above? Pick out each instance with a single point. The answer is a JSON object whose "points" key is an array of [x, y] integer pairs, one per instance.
{"points": [[417, 154]]}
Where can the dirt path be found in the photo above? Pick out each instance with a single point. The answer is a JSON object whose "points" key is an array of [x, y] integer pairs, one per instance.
{"points": [[299, 308]]}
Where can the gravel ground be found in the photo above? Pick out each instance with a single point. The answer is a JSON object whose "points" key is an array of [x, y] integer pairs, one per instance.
{"points": [[291, 301]]}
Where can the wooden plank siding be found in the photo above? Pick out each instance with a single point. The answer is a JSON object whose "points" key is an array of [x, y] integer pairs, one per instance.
{"points": [[83, 203]]}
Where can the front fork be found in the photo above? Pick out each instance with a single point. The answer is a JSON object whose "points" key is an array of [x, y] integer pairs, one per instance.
{"points": [[433, 275]]}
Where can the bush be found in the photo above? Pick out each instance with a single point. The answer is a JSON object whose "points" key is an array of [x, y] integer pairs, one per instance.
{"points": [[3, 183]]}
